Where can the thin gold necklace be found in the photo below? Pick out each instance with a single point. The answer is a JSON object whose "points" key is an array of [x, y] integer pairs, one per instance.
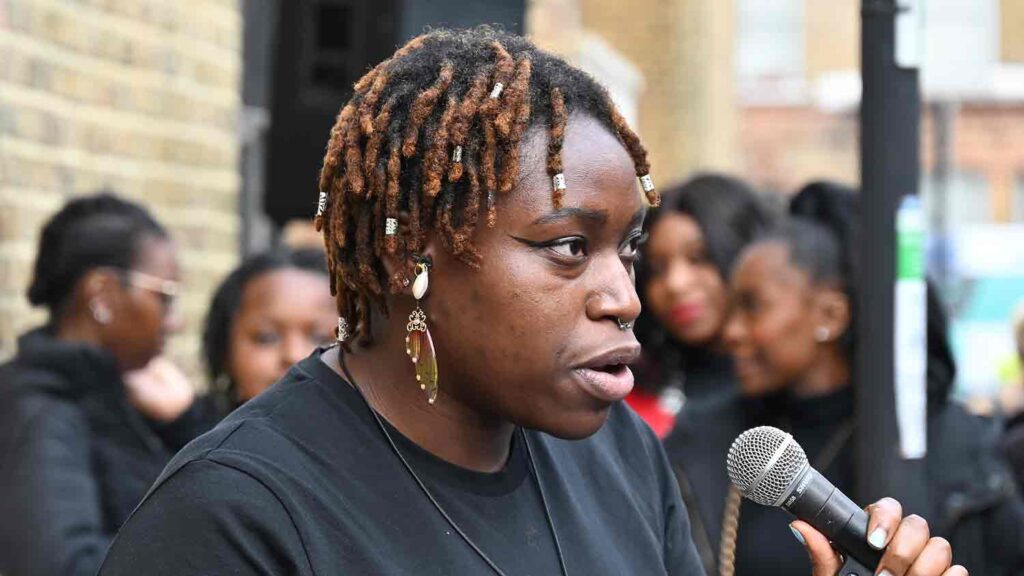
{"points": [[437, 505]]}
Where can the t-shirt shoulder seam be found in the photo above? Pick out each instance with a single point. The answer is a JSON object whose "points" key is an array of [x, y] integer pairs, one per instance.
{"points": [[210, 458]]}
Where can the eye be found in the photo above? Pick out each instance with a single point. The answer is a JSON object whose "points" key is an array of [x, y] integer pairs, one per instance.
{"points": [[631, 249], [265, 338], [574, 247]]}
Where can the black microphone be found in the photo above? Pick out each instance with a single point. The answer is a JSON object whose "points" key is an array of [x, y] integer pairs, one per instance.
{"points": [[769, 467]]}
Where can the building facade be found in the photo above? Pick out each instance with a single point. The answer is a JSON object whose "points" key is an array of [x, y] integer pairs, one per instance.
{"points": [[137, 96]]}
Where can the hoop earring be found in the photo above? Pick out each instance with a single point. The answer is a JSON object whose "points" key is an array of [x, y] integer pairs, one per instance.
{"points": [[418, 344]]}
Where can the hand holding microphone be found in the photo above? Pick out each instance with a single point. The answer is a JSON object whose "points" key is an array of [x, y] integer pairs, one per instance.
{"points": [[770, 468]]}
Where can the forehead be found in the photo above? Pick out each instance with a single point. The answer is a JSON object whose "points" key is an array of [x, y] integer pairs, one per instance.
{"points": [[286, 285], [674, 230], [599, 172], [766, 264], [157, 256]]}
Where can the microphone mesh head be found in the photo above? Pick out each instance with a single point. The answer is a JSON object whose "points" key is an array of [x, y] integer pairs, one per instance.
{"points": [[756, 469]]}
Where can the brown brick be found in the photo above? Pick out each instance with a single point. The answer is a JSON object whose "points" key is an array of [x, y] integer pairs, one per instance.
{"points": [[136, 95]]}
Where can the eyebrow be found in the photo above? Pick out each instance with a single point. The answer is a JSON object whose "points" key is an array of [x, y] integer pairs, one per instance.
{"points": [[584, 214], [597, 217]]}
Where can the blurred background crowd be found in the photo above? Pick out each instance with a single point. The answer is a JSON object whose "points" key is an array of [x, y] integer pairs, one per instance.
{"points": [[212, 114], [158, 165]]}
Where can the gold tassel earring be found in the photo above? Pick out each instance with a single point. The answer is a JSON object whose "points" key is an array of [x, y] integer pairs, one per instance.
{"points": [[418, 344]]}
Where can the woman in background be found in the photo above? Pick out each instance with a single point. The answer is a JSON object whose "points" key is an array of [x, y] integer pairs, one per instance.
{"points": [[792, 334], [693, 240], [269, 313], [89, 415]]}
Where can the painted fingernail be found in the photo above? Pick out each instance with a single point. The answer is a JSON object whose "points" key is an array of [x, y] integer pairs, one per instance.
{"points": [[885, 573], [877, 540], [798, 536]]}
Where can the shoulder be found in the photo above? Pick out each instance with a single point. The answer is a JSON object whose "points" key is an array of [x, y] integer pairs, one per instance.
{"points": [[30, 410], [290, 429], [240, 520]]}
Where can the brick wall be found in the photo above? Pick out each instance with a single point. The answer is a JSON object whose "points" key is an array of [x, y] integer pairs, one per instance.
{"points": [[137, 95], [1011, 31], [687, 114]]}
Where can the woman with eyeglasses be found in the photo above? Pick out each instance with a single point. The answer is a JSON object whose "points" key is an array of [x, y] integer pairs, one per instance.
{"points": [[89, 412]]}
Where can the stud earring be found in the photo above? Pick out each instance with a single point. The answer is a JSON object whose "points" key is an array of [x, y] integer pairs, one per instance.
{"points": [[100, 313], [822, 334], [418, 344]]}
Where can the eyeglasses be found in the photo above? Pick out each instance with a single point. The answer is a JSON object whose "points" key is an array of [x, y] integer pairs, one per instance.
{"points": [[167, 290]]}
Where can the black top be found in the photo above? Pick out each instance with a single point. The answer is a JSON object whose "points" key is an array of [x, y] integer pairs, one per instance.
{"points": [[75, 456], [706, 375], [302, 481], [822, 426]]}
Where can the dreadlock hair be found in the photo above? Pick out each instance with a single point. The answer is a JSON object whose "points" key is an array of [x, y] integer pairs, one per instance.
{"points": [[435, 132]]}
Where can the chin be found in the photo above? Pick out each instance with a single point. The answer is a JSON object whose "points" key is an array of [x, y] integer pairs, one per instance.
{"points": [[695, 336], [576, 427]]}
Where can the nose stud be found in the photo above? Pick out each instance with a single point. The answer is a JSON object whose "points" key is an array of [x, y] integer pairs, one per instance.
{"points": [[623, 325]]}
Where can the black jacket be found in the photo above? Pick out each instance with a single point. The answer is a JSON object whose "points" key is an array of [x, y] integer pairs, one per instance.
{"points": [[972, 495], [75, 457]]}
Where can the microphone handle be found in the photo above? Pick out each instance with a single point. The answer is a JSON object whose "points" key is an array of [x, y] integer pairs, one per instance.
{"points": [[817, 502]]}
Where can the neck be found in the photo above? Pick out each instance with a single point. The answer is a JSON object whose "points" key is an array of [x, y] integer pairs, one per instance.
{"points": [[829, 373], [448, 429], [75, 328]]}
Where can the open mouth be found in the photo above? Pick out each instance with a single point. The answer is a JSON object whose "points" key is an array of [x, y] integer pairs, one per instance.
{"points": [[608, 368], [608, 382]]}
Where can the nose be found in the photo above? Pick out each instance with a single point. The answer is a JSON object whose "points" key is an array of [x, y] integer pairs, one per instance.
{"points": [[174, 322], [295, 348], [680, 276], [614, 296], [734, 332]]}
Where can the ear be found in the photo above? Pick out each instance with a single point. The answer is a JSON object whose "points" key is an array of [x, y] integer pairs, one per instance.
{"points": [[99, 293], [831, 314], [99, 283], [401, 266]]}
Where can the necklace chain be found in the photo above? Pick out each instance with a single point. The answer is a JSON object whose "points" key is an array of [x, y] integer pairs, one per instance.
{"points": [[437, 505]]}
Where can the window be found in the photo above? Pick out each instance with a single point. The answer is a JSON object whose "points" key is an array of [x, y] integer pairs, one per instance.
{"points": [[770, 37], [968, 198]]}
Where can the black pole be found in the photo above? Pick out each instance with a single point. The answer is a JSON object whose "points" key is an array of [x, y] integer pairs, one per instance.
{"points": [[890, 166]]}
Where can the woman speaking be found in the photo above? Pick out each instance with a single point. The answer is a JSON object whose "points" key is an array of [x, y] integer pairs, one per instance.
{"points": [[481, 211]]}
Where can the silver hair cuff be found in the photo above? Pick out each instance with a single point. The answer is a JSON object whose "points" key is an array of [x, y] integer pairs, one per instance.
{"points": [[390, 226], [558, 181], [321, 204], [496, 91], [647, 183]]}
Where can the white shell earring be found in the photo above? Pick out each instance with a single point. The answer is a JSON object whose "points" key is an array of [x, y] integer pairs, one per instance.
{"points": [[422, 282], [822, 334]]}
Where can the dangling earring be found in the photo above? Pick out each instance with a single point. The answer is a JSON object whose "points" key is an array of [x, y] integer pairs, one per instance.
{"points": [[341, 334], [100, 313], [418, 344]]}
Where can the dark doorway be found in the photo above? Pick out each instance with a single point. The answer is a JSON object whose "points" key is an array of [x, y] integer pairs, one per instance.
{"points": [[322, 47]]}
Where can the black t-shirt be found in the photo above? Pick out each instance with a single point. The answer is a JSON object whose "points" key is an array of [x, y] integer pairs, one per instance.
{"points": [[302, 481]]}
